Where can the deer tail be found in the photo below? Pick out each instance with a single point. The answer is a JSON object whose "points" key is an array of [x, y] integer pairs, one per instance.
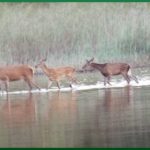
{"points": [[132, 76], [32, 69], [129, 72]]}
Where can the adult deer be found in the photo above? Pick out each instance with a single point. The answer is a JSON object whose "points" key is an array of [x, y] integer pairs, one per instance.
{"points": [[57, 74], [17, 72], [111, 69]]}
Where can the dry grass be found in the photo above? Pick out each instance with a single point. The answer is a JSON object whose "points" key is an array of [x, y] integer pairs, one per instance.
{"points": [[69, 33]]}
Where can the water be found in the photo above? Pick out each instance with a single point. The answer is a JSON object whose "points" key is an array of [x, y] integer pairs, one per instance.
{"points": [[116, 116]]}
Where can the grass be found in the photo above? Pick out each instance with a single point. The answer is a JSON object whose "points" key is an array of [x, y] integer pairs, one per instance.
{"points": [[69, 33]]}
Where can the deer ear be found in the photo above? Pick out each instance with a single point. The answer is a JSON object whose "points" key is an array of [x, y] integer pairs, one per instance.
{"points": [[91, 59], [88, 61]]}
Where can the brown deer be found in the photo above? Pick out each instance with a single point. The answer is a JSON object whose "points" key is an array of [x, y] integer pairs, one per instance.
{"points": [[111, 69], [17, 72], [57, 74]]}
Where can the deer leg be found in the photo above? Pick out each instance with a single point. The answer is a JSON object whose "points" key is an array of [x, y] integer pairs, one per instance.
{"points": [[49, 84], [134, 78], [72, 79], [127, 78], [6, 85], [6, 82], [1, 86], [31, 83], [108, 80], [105, 81], [35, 84], [58, 85], [70, 85]]}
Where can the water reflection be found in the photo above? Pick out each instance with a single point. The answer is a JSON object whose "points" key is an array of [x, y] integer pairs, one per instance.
{"points": [[60, 101], [98, 118], [58, 119], [117, 100], [64, 105], [18, 118], [19, 111]]}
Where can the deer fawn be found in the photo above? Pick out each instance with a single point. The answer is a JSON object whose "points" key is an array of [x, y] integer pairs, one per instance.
{"points": [[18, 72], [57, 74], [111, 69]]}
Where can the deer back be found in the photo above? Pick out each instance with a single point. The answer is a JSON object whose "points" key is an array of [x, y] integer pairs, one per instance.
{"points": [[116, 68], [111, 68], [16, 72], [61, 72]]}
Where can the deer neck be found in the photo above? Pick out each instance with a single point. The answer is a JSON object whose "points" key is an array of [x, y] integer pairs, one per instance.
{"points": [[45, 69], [98, 66]]}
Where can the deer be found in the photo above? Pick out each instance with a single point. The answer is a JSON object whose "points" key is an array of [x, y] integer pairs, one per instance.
{"points": [[111, 69], [57, 74], [17, 72]]}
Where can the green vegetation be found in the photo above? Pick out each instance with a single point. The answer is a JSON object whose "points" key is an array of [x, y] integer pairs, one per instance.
{"points": [[69, 33]]}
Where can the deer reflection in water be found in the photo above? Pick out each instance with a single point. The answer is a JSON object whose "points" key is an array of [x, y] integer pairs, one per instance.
{"points": [[117, 100], [62, 105], [19, 112]]}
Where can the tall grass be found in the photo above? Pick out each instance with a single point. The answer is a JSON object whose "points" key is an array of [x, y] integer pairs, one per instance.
{"points": [[69, 33]]}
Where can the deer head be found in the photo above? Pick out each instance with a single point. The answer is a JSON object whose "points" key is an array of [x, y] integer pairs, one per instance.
{"points": [[87, 64], [41, 63]]}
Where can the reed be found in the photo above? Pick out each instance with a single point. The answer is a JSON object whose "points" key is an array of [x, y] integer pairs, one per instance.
{"points": [[69, 33]]}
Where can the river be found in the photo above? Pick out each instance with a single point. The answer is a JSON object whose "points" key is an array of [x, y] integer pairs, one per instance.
{"points": [[117, 116]]}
